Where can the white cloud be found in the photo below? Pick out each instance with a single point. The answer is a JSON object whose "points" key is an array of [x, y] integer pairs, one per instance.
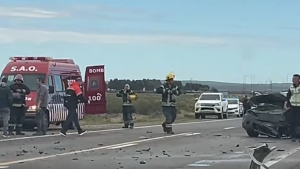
{"points": [[38, 36], [29, 12]]}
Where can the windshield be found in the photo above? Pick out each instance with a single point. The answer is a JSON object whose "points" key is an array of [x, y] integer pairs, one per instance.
{"points": [[210, 97], [29, 80], [232, 101]]}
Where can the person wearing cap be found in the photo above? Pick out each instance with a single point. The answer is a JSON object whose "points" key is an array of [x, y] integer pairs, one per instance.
{"points": [[18, 109], [169, 91], [292, 104], [127, 96], [6, 101], [73, 95]]}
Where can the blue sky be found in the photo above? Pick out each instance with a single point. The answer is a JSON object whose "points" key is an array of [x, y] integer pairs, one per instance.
{"points": [[217, 40]]}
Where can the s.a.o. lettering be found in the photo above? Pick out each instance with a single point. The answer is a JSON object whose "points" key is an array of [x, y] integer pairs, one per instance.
{"points": [[23, 69]]}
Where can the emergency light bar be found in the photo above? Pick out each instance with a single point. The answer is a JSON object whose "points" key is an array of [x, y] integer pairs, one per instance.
{"points": [[31, 58]]}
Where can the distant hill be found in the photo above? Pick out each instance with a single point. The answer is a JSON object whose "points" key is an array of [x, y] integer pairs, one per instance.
{"points": [[240, 87]]}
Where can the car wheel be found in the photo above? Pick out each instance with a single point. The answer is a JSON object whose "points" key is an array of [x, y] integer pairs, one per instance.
{"points": [[197, 116], [252, 133], [202, 116]]}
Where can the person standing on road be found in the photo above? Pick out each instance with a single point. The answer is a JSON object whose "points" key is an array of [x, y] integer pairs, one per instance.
{"points": [[6, 101], [246, 104], [42, 95], [292, 104], [18, 110], [73, 95], [169, 91], [127, 108]]}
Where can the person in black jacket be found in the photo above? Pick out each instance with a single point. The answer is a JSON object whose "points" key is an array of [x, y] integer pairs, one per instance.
{"points": [[246, 104], [18, 110], [73, 95], [169, 91], [6, 100], [127, 107]]}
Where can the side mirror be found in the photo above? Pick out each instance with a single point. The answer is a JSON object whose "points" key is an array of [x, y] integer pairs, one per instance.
{"points": [[51, 89], [223, 99], [196, 99]]}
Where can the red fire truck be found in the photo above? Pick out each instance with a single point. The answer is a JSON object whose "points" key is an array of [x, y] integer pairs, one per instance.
{"points": [[58, 73]]}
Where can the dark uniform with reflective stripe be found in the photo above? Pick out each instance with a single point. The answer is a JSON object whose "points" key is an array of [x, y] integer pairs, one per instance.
{"points": [[169, 93], [127, 107], [73, 95], [18, 109]]}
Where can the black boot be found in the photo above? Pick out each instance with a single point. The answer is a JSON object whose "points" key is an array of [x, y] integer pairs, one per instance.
{"points": [[169, 130], [11, 130], [19, 131], [131, 125], [164, 127], [125, 126]]}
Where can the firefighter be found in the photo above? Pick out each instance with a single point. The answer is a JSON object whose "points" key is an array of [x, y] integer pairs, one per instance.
{"points": [[18, 109], [292, 104], [127, 108], [169, 91], [73, 95]]}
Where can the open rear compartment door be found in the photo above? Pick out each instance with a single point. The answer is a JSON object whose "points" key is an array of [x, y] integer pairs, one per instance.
{"points": [[95, 90], [69, 78]]}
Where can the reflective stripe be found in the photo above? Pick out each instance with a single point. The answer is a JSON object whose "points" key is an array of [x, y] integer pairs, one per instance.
{"points": [[17, 105], [168, 125], [19, 125], [168, 104], [295, 97], [127, 104]]}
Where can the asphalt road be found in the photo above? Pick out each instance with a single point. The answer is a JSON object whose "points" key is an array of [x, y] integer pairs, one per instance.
{"points": [[214, 144]]}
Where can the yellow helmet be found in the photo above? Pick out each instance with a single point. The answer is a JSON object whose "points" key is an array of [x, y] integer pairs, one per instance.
{"points": [[133, 97], [170, 76]]}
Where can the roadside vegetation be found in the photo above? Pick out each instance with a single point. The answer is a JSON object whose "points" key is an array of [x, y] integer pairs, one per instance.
{"points": [[147, 110]]}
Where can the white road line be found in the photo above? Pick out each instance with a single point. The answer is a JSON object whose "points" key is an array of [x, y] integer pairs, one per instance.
{"points": [[192, 134], [280, 158], [109, 130], [122, 146], [89, 150], [227, 128]]}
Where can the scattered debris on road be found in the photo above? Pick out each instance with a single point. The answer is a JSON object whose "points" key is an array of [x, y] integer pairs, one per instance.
{"points": [[142, 162]]}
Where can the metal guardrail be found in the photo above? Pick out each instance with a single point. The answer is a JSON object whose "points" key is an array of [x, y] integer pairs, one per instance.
{"points": [[258, 156]]}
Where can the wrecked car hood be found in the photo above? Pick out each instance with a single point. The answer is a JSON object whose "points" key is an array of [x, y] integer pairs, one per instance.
{"points": [[276, 99]]}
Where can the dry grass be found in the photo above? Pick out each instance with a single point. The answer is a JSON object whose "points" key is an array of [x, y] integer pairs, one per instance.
{"points": [[148, 110]]}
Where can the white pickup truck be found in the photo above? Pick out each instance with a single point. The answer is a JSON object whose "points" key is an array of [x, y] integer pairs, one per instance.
{"points": [[211, 104]]}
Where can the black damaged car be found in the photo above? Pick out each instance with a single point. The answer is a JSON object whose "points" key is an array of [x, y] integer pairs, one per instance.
{"points": [[268, 118]]}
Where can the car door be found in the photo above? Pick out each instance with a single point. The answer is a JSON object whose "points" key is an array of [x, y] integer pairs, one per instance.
{"points": [[95, 89]]}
